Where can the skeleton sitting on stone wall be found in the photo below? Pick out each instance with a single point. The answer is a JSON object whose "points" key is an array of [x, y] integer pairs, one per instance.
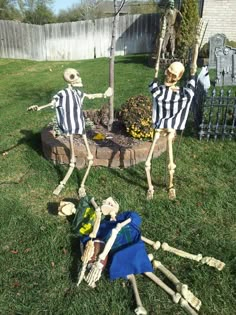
{"points": [[118, 245], [68, 104]]}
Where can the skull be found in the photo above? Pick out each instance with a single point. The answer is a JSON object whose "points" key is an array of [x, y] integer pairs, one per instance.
{"points": [[110, 207], [66, 208], [170, 4], [174, 73], [72, 77]]}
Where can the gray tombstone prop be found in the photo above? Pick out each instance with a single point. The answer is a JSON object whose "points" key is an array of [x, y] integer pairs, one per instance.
{"points": [[216, 41], [225, 66]]}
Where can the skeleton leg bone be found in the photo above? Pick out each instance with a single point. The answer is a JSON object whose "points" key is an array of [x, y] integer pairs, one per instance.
{"points": [[180, 287], [212, 262], [171, 165], [181, 253], [70, 170], [188, 309], [82, 191], [140, 310], [150, 191], [176, 297], [156, 245]]}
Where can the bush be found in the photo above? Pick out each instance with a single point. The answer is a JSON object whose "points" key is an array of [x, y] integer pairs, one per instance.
{"points": [[204, 51], [136, 115], [187, 31], [231, 43]]}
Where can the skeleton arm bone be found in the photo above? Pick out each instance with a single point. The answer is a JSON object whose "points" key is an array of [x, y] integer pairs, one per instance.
{"points": [[112, 238], [108, 93], [38, 108], [193, 67], [96, 270], [162, 35], [96, 226], [88, 253]]}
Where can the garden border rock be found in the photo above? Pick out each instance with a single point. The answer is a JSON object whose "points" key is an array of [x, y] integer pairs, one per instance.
{"points": [[111, 155]]}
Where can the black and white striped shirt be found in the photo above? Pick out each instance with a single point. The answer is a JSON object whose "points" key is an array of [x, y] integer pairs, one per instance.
{"points": [[171, 108], [69, 113]]}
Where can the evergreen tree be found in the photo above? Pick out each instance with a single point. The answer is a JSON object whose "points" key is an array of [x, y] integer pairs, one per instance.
{"points": [[187, 30], [8, 11]]}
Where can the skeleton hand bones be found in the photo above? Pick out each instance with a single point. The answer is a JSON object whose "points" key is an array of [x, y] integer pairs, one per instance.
{"points": [[38, 108], [96, 270], [108, 93]]}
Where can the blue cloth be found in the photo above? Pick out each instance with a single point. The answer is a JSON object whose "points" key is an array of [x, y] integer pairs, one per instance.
{"points": [[130, 260], [128, 254]]}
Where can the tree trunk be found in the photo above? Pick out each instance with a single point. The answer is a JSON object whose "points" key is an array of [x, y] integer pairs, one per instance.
{"points": [[112, 61], [112, 66]]}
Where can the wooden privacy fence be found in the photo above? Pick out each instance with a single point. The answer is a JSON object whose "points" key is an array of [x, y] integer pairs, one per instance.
{"points": [[77, 40], [215, 115]]}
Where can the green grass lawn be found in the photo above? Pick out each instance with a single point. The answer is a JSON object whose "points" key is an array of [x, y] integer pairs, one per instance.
{"points": [[39, 257]]}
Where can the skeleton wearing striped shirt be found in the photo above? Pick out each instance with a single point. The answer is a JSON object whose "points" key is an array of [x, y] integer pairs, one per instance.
{"points": [[171, 106], [70, 119], [69, 113]]}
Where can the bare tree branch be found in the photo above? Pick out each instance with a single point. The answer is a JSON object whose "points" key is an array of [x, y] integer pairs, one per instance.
{"points": [[120, 7]]}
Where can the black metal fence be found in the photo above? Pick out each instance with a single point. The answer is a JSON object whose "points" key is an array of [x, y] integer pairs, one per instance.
{"points": [[215, 114]]}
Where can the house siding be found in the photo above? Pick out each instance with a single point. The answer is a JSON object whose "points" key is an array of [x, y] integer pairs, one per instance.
{"points": [[220, 16]]}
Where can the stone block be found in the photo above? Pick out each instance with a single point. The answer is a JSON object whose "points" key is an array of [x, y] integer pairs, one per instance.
{"points": [[81, 151], [141, 151], [160, 147], [62, 158], [80, 163], [127, 157], [114, 163], [109, 153], [100, 162]]}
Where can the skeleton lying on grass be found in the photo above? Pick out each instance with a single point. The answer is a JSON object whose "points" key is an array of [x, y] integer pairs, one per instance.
{"points": [[117, 245]]}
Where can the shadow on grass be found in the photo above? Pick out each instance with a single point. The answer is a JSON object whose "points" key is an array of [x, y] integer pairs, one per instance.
{"points": [[76, 258], [53, 208], [136, 176], [74, 241], [138, 59], [29, 138]]}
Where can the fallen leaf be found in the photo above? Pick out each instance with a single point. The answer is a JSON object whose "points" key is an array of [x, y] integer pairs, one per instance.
{"points": [[16, 284], [99, 136], [14, 251], [65, 251], [52, 264]]}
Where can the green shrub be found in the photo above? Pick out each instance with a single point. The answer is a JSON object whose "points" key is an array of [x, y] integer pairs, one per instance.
{"points": [[187, 31], [204, 51], [231, 43], [136, 115]]}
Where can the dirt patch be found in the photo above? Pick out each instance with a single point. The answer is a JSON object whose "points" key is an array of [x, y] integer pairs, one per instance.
{"points": [[116, 137]]}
